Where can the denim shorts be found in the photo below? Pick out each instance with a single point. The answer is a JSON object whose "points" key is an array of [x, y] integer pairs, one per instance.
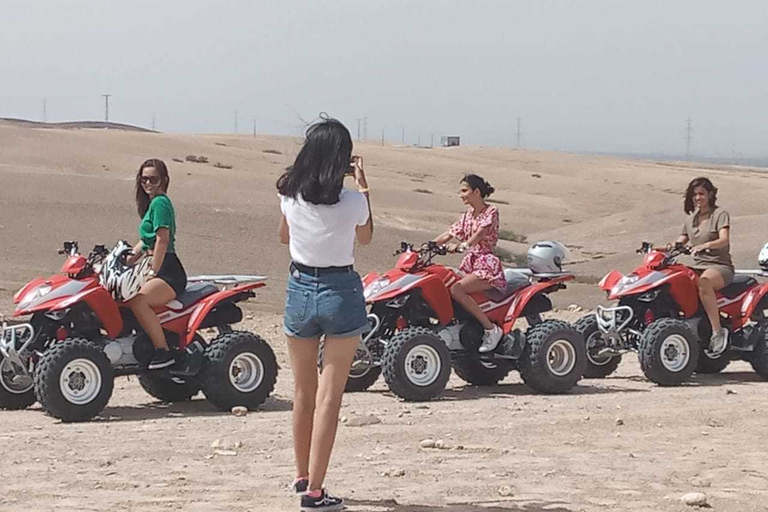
{"points": [[330, 304]]}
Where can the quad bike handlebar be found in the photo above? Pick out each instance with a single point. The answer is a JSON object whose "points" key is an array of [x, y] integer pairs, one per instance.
{"points": [[671, 251]]}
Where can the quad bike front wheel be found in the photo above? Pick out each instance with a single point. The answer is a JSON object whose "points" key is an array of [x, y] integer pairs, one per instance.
{"points": [[668, 352], [416, 364], [73, 380], [554, 358], [598, 366], [240, 369], [16, 387]]}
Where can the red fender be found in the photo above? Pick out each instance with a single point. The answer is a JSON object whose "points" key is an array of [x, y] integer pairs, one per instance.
{"points": [[24, 289], [207, 304], [436, 295], [751, 301], [526, 294], [102, 304], [609, 281]]}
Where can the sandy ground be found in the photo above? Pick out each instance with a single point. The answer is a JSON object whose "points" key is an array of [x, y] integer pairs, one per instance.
{"points": [[563, 453], [505, 449]]}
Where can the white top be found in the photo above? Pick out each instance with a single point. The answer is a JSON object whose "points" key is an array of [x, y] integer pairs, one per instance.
{"points": [[323, 235]]}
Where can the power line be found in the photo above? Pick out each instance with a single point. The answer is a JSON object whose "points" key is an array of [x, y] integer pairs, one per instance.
{"points": [[106, 106]]}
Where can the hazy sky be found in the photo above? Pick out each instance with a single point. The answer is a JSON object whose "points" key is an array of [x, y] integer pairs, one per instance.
{"points": [[586, 75]]}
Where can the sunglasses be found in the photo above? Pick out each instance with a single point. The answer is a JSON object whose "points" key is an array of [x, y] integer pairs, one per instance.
{"points": [[154, 180]]}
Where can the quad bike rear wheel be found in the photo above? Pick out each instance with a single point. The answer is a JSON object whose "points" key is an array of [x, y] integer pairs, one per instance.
{"points": [[16, 388], [759, 358], [554, 358], [416, 364], [240, 369], [598, 367], [73, 380], [481, 373], [668, 352]]}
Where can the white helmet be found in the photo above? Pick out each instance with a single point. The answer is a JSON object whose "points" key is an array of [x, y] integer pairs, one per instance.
{"points": [[121, 280], [547, 257], [762, 258]]}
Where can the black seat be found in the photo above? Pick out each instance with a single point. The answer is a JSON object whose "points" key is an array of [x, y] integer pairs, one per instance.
{"points": [[516, 279], [194, 292], [739, 285]]}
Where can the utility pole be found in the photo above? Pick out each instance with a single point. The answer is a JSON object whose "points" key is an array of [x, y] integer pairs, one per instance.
{"points": [[106, 106], [153, 123], [418, 141], [254, 127], [359, 120], [382, 136], [236, 127], [519, 132], [688, 131], [45, 110], [402, 137], [431, 140]]}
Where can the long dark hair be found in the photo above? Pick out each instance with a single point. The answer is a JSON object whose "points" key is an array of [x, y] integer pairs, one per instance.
{"points": [[142, 198], [476, 182], [708, 186], [318, 172]]}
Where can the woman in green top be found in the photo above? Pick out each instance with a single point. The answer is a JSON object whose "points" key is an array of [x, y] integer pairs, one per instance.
{"points": [[157, 232], [707, 231]]}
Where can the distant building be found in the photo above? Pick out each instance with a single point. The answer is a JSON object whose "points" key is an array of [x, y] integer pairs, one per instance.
{"points": [[449, 141]]}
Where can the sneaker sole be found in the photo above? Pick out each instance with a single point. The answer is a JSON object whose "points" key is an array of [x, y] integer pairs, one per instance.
{"points": [[327, 508], [160, 366]]}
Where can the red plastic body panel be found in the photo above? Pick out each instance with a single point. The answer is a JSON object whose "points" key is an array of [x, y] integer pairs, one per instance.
{"points": [[207, 304], [524, 295], [609, 281], [751, 301], [74, 264], [102, 304]]}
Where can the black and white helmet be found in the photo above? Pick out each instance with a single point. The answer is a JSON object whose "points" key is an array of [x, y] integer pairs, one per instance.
{"points": [[762, 258], [121, 280], [547, 257]]}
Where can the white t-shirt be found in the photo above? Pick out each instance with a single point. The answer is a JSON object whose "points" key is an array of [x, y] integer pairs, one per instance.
{"points": [[323, 235]]}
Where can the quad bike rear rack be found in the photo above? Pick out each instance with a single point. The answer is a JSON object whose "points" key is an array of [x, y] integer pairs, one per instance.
{"points": [[227, 280]]}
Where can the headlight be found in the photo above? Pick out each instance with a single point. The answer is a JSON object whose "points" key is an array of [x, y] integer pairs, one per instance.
{"points": [[35, 295], [624, 282], [650, 296], [375, 287]]}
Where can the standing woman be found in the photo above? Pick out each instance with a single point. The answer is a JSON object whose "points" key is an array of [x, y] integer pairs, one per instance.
{"points": [[707, 229], [320, 220], [157, 233]]}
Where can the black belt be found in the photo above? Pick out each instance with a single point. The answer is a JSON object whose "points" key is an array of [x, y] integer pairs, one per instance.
{"points": [[319, 271]]}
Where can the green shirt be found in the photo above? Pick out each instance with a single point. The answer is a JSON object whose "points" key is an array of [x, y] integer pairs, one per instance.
{"points": [[160, 214]]}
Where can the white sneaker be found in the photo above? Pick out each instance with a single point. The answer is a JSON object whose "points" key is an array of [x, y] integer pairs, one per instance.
{"points": [[719, 342], [491, 339]]}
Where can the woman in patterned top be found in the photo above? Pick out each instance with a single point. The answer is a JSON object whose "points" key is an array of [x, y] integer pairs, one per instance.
{"points": [[477, 231]]}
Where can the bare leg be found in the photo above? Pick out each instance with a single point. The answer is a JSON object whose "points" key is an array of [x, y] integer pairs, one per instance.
{"points": [[709, 282], [154, 293], [461, 290], [337, 360], [303, 354]]}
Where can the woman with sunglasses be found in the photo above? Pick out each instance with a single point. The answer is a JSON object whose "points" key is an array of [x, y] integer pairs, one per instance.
{"points": [[157, 232]]}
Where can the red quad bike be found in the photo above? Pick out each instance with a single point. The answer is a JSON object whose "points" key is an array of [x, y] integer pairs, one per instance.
{"points": [[419, 332], [78, 339], [659, 314]]}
